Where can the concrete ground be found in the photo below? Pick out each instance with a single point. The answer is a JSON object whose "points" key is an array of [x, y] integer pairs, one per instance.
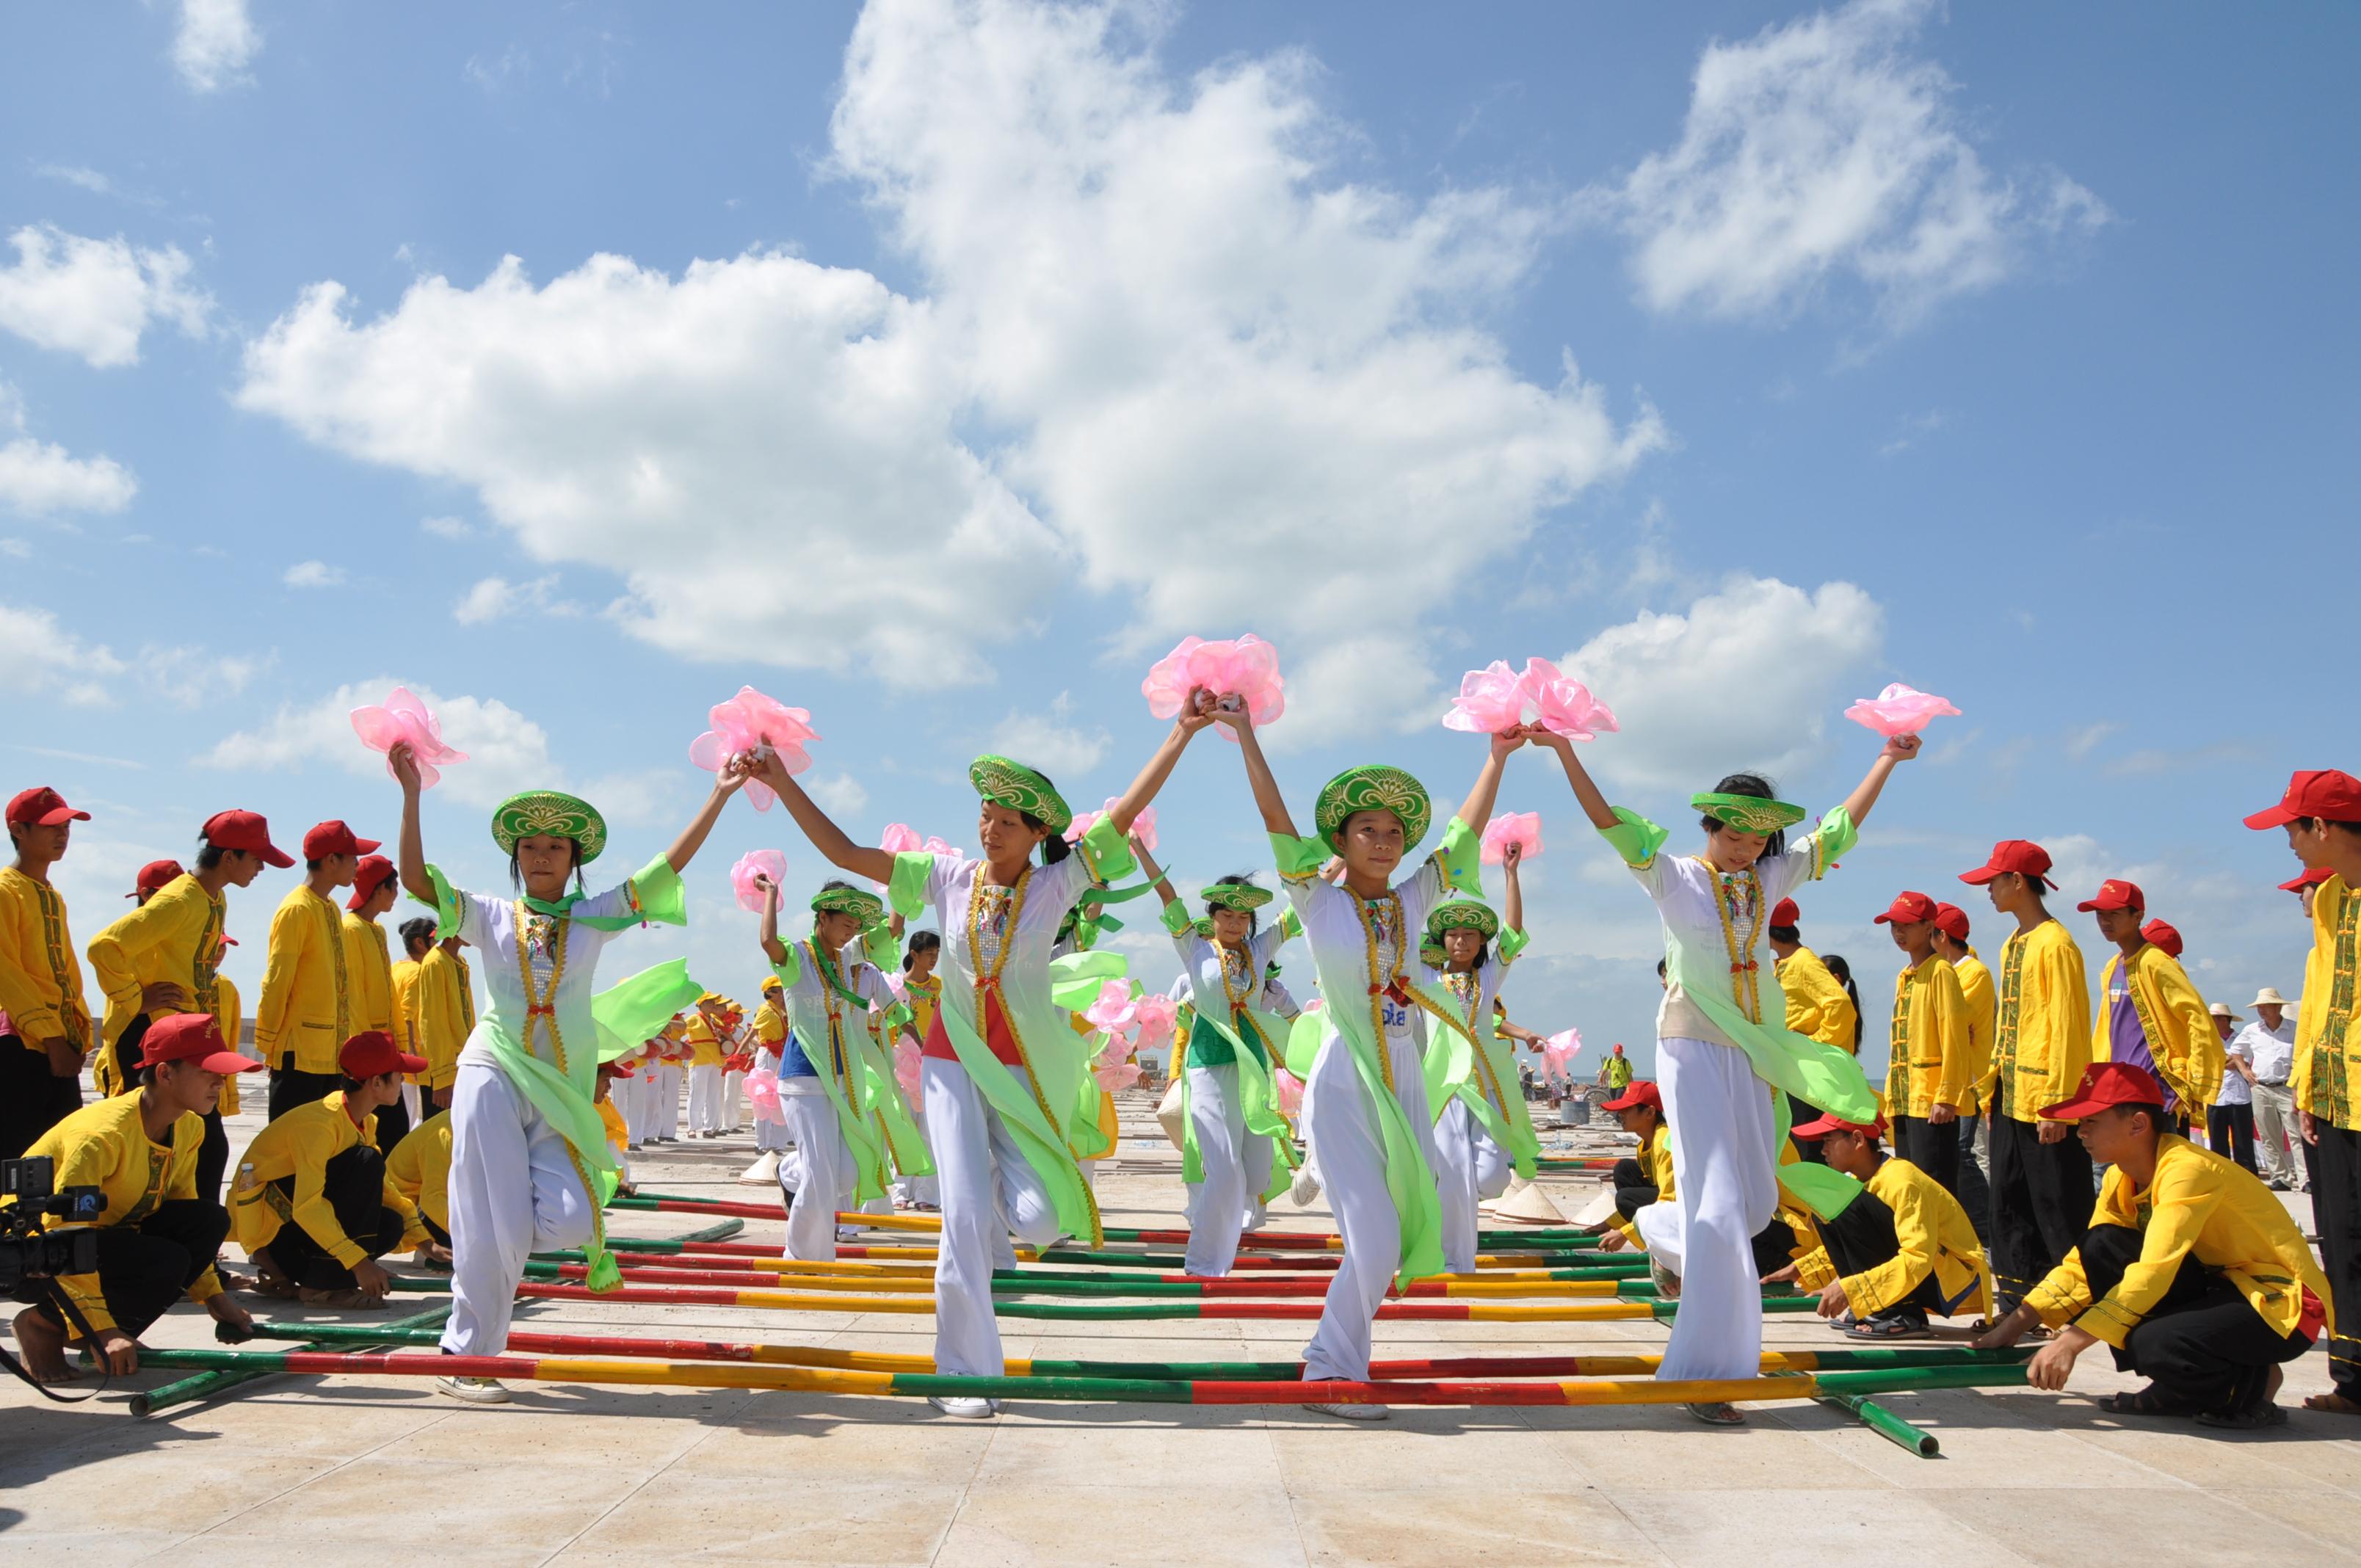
{"points": [[300, 1470]]}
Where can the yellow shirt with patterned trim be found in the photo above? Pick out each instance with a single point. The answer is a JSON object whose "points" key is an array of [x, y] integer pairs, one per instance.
{"points": [[1930, 1055], [40, 974], [1655, 1157], [296, 1150], [2181, 1037], [446, 1014], [176, 937], [368, 960], [105, 1144], [306, 1012], [1935, 1240], [2326, 1078], [404, 973], [2041, 1029], [420, 1169], [2198, 1206], [1976, 986], [1817, 1004], [227, 1015]]}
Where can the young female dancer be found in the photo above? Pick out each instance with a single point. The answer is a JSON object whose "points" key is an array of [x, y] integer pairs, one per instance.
{"points": [[529, 1164], [1009, 1101], [1233, 1123], [1365, 1109], [1722, 1037], [922, 994]]}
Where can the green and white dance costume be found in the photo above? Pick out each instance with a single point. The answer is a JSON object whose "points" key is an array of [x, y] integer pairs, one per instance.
{"points": [[1481, 1128]]}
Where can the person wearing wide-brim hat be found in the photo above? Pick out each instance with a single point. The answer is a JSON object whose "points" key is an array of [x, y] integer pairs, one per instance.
{"points": [[1010, 1105], [1482, 1130], [1722, 1036], [1235, 1153], [529, 1169], [1366, 1119]]}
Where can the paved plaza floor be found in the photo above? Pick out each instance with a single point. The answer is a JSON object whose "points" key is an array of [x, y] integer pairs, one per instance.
{"points": [[313, 1471]]}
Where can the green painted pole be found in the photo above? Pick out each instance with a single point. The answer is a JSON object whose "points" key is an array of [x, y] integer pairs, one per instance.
{"points": [[1886, 1424], [426, 1325]]}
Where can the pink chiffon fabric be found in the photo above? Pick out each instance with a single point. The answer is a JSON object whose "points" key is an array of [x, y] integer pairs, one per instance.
{"points": [[771, 863], [402, 716], [1557, 1054], [1497, 698], [1900, 710], [1521, 828], [1245, 668], [1143, 826], [749, 722]]}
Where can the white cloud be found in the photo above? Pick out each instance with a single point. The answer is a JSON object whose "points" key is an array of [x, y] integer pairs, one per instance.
{"points": [[1200, 344], [840, 794], [42, 477], [42, 656], [446, 527], [314, 575], [1064, 752], [16, 549], [1747, 678], [191, 677], [1352, 686], [506, 751], [95, 297], [215, 43], [495, 599], [1824, 149]]}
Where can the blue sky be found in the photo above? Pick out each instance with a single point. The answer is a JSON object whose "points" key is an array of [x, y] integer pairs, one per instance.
{"points": [[936, 367]]}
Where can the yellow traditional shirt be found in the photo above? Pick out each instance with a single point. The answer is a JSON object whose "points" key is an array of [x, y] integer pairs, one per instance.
{"points": [[40, 977], [1936, 1240], [306, 1012], [296, 1150], [1655, 1157], [175, 936], [404, 973], [2041, 1030], [226, 1015], [2202, 1205], [1930, 1055], [1817, 1004], [1976, 986], [420, 1169], [446, 1014], [770, 1025], [924, 997], [2181, 1037], [105, 1144], [704, 1046], [368, 960], [2328, 1043]]}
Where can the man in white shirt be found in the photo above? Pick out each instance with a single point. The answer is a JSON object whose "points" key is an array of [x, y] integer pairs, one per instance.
{"points": [[2230, 1119], [2268, 1044]]}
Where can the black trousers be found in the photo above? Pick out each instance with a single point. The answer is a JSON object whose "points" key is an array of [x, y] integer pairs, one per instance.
{"points": [[2336, 1200], [1799, 1112], [2231, 1130], [354, 1187], [2203, 1344], [145, 1267], [1933, 1149], [2041, 1197], [393, 1125], [32, 1099], [1975, 1192], [1774, 1246], [1862, 1237], [1633, 1190], [291, 1091], [440, 1237]]}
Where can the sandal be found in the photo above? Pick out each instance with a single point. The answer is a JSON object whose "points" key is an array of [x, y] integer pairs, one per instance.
{"points": [[1717, 1415], [2332, 1404], [1881, 1326], [2255, 1420], [2145, 1402]]}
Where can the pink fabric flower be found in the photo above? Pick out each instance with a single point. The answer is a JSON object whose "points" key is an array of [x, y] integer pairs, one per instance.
{"points": [[1116, 1076], [403, 717], [754, 862], [906, 1064], [1497, 698], [1157, 1017], [1899, 710], [1290, 1093], [1512, 827], [1246, 668], [1557, 1052], [1143, 826], [899, 837], [747, 722], [1112, 1009], [762, 1088]]}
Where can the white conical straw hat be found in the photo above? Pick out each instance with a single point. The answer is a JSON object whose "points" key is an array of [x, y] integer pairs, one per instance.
{"points": [[1528, 1201], [1599, 1210]]}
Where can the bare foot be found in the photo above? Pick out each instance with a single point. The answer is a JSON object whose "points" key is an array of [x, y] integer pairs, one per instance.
{"points": [[41, 1346], [2335, 1404]]}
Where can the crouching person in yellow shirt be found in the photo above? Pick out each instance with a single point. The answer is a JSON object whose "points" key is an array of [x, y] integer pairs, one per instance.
{"points": [[1903, 1251], [156, 1238], [313, 1206], [2190, 1271], [1645, 1175], [419, 1170]]}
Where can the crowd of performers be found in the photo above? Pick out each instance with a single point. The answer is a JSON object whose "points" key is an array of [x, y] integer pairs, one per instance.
{"points": [[401, 1117]]}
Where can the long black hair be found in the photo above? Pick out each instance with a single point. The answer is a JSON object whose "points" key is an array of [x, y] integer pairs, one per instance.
{"points": [[1838, 967], [920, 942], [419, 930], [1754, 787]]}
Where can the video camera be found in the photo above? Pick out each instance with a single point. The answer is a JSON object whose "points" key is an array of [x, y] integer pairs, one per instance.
{"points": [[26, 1250]]}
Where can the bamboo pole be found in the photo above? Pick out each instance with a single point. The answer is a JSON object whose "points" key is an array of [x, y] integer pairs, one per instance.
{"points": [[204, 1385]]}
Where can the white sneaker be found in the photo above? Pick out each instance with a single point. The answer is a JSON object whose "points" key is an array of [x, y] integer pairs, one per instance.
{"points": [[966, 1410], [475, 1390], [1350, 1412], [763, 1172]]}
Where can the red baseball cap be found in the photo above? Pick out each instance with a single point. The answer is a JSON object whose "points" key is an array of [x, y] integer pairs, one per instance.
{"points": [[41, 807], [155, 877], [244, 831], [2323, 793], [192, 1036], [2105, 1084], [1907, 907], [2019, 855], [372, 1052], [1828, 1121], [374, 872], [2115, 893], [2163, 936], [1952, 921], [1640, 1092], [2312, 878], [335, 839], [1784, 913]]}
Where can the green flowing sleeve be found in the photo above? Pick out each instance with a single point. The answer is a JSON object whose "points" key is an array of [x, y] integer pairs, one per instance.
{"points": [[1513, 942], [1461, 856], [791, 969], [878, 945], [447, 905], [631, 1012], [1291, 924], [908, 890], [1106, 854], [1832, 839], [1176, 918], [657, 893], [1634, 838], [1297, 858]]}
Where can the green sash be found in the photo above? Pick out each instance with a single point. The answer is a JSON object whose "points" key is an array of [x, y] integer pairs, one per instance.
{"points": [[814, 1035]]}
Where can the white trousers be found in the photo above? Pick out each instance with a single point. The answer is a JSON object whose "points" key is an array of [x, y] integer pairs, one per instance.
{"points": [[817, 1178], [1343, 1125], [1469, 1167], [733, 1096], [666, 1123], [1725, 1166], [1236, 1168], [705, 1097], [769, 1137], [989, 1189], [2275, 1135], [409, 1099], [514, 1192]]}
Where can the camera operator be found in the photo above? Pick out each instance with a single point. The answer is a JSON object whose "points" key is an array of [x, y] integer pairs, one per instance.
{"points": [[155, 1237]]}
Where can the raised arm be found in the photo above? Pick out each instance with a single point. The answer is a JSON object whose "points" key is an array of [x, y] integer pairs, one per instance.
{"points": [[1897, 749], [1512, 905], [835, 845], [1477, 809], [773, 948], [692, 838], [411, 853], [1585, 791], [1194, 716], [1267, 800], [1154, 872]]}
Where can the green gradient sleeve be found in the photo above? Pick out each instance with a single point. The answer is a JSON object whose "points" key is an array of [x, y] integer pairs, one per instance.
{"points": [[447, 907], [1513, 942], [1634, 838], [1105, 851], [1461, 856], [658, 895], [1297, 858], [908, 890], [1176, 918]]}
